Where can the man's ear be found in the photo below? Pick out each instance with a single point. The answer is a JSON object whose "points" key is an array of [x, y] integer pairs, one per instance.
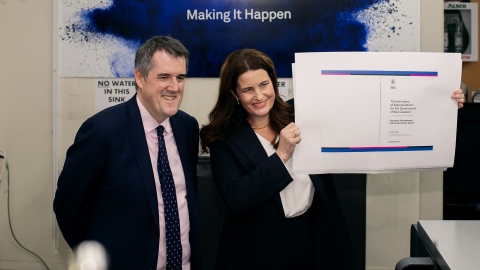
{"points": [[139, 79]]}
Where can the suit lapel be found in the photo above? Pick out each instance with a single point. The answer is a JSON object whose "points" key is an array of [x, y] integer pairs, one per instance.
{"points": [[138, 140], [247, 142]]}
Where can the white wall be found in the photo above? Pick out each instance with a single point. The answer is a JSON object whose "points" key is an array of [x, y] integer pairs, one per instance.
{"points": [[26, 117], [394, 201]]}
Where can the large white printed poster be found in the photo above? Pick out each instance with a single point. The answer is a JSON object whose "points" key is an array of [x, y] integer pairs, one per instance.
{"points": [[375, 112]]}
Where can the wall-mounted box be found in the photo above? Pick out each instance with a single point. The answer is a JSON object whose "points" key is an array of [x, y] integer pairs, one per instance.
{"points": [[461, 29]]}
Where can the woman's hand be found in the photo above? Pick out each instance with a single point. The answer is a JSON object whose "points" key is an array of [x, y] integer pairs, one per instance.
{"points": [[459, 96], [289, 137]]}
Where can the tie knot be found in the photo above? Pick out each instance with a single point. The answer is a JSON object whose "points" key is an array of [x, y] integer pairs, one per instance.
{"points": [[160, 130]]}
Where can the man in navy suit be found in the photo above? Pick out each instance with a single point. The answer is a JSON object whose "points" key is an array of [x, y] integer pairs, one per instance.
{"points": [[109, 189]]}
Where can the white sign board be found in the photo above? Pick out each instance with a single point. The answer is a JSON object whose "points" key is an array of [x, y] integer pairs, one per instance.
{"points": [[375, 112]]}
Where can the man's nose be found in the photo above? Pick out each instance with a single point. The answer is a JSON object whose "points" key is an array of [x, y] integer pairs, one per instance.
{"points": [[172, 84]]}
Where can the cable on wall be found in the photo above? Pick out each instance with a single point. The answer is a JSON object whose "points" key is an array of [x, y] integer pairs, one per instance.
{"points": [[3, 155]]}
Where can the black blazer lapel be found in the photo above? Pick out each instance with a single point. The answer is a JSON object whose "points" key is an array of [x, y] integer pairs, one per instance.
{"points": [[245, 139], [136, 134]]}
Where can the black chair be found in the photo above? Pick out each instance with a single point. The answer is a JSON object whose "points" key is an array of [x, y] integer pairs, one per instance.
{"points": [[420, 258], [415, 263]]}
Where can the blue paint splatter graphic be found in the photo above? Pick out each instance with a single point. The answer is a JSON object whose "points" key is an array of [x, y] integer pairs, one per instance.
{"points": [[315, 26]]}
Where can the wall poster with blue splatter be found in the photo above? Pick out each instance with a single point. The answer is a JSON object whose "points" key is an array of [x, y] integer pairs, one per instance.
{"points": [[99, 38]]}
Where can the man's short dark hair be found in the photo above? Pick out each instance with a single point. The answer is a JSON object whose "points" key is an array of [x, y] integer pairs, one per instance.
{"points": [[144, 55]]}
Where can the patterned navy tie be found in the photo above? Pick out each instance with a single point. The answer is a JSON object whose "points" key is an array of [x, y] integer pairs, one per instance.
{"points": [[172, 221]]}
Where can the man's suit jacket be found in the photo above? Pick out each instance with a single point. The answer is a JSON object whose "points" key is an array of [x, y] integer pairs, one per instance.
{"points": [[254, 234], [106, 190]]}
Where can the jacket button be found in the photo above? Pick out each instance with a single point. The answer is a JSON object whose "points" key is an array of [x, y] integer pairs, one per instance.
{"points": [[157, 235]]}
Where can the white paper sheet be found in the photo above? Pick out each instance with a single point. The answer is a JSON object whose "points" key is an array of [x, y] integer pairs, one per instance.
{"points": [[375, 112]]}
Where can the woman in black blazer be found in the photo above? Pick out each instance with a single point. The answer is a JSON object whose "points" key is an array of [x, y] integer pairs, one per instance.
{"points": [[276, 220]]}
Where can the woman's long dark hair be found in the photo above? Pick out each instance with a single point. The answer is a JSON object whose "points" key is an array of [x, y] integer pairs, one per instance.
{"points": [[227, 115]]}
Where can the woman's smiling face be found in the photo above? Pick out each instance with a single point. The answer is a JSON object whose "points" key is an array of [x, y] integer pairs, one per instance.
{"points": [[256, 95]]}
